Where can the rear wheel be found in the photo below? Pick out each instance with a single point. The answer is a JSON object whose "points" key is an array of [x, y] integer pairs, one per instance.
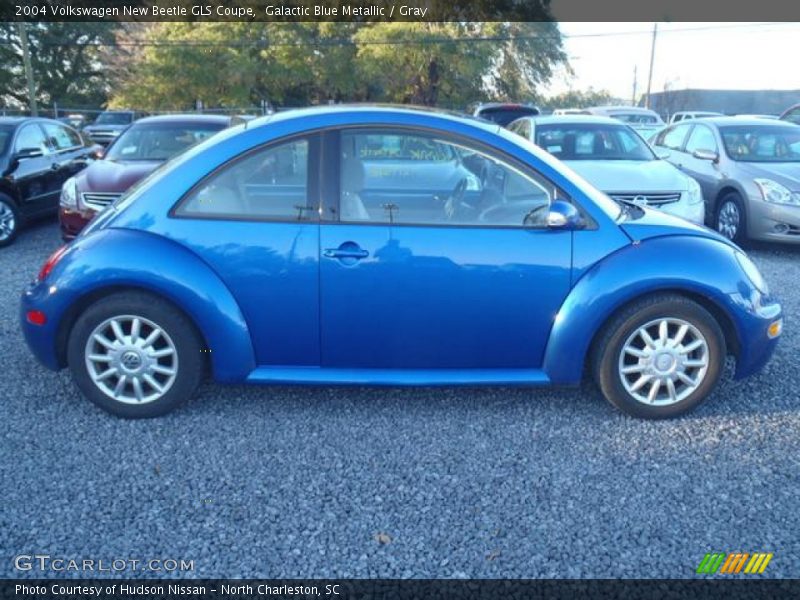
{"points": [[135, 355], [9, 220], [660, 357]]}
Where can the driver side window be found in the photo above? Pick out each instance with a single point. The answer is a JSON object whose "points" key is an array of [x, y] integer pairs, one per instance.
{"points": [[404, 178]]}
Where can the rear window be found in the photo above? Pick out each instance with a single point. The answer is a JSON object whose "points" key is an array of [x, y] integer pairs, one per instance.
{"points": [[503, 115]]}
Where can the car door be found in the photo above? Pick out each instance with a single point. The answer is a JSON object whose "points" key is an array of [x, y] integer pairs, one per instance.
{"points": [[71, 155], [32, 174], [705, 172], [447, 275]]}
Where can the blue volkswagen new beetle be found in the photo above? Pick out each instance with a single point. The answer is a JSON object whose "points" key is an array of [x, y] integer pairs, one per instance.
{"points": [[374, 245]]}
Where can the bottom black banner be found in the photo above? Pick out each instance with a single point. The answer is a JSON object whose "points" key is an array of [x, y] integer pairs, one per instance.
{"points": [[408, 589]]}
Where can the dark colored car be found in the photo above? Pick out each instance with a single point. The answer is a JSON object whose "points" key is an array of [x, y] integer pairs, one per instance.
{"points": [[36, 157], [109, 125], [137, 152], [503, 113]]}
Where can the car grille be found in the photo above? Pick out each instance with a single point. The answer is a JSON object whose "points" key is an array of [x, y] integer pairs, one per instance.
{"points": [[98, 200], [650, 198]]}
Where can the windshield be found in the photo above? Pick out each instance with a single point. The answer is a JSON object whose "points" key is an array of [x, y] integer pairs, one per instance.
{"points": [[587, 141], [114, 118], [762, 143], [636, 118], [503, 115], [6, 132], [159, 141]]}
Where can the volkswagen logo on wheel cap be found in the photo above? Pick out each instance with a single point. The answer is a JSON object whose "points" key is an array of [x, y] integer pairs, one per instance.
{"points": [[131, 360]]}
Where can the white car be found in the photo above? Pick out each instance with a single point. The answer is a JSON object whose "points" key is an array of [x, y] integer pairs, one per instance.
{"points": [[616, 160], [685, 115], [645, 121]]}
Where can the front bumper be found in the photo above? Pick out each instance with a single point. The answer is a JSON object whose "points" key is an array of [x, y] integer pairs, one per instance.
{"points": [[73, 221], [696, 213], [773, 222], [42, 339], [755, 319]]}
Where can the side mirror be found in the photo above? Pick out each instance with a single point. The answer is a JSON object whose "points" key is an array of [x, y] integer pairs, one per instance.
{"points": [[28, 153], [663, 154], [563, 215], [706, 155]]}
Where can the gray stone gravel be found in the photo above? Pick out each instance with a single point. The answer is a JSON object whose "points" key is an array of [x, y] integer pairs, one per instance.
{"points": [[359, 482]]}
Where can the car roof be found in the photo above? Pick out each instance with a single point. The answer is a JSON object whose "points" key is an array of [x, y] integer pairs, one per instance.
{"points": [[630, 109], [21, 120], [513, 105], [575, 120], [185, 118], [372, 109], [741, 121]]}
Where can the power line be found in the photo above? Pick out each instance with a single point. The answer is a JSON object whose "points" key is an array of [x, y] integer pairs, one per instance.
{"points": [[390, 42]]}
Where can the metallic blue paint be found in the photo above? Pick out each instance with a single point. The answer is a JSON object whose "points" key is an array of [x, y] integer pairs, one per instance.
{"points": [[329, 302]]}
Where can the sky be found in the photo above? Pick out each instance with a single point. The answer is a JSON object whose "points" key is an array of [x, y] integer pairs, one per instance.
{"points": [[688, 55]]}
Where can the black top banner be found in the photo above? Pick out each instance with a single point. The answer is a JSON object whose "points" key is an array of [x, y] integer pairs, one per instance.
{"points": [[397, 10]]}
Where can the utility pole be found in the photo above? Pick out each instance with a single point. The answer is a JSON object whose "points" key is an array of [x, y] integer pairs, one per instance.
{"points": [[26, 60], [633, 95], [652, 59]]}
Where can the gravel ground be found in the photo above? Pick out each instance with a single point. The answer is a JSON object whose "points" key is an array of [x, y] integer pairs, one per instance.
{"points": [[359, 482]]}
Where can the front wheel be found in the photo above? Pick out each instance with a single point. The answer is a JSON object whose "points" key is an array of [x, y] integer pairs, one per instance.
{"points": [[660, 357], [135, 355], [730, 218]]}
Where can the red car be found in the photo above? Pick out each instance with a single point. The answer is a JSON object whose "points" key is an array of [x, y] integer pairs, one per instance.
{"points": [[136, 153]]}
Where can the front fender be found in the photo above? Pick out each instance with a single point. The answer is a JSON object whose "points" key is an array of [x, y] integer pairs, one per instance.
{"points": [[692, 264], [123, 258]]}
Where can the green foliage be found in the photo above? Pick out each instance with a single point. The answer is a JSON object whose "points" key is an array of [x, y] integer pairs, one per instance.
{"points": [[66, 61], [292, 64], [578, 99]]}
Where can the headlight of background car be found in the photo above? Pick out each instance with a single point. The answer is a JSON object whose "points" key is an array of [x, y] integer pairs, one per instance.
{"points": [[752, 272], [69, 194], [774, 192], [695, 193]]}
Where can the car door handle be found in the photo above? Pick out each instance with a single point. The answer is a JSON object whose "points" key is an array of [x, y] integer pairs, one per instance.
{"points": [[357, 253]]}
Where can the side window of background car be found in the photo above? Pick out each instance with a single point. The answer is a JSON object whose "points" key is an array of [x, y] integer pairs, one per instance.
{"points": [[673, 137], [418, 179], [61, 138], [270, 183], [702, 138], [29, 137]]}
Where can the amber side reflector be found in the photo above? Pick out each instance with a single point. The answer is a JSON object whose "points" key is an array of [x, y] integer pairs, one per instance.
{"points": [[36, 317], [774, 330]]}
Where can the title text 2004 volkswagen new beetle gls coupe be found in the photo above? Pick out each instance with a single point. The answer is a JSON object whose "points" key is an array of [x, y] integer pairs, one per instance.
{"points": [[368, 245]]}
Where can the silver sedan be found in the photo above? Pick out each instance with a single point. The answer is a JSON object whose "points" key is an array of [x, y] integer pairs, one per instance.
{"points": [[749, 171]]}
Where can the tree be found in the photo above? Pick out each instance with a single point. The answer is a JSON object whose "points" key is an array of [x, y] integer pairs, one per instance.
{"points": [[579, 99], [66, 63]]}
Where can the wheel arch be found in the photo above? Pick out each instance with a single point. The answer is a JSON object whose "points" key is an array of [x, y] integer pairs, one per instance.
{"points": [[628, 276], [109, 261]]}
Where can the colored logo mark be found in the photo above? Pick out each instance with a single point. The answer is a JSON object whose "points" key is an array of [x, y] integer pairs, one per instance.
{"points": [[734, 562]]}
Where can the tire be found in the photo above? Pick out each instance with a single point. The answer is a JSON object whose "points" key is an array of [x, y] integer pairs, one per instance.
{"points": [[729, 209], [621, 337], [168, 366], [10, 220]]}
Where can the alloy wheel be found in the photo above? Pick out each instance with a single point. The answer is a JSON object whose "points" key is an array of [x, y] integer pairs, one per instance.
{"points": [[729, 220], [131, 359], [663, 361], [8, 222]]}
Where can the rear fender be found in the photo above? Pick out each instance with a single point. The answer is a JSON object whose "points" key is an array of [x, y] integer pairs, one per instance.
{"points": [[112, 259]]}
